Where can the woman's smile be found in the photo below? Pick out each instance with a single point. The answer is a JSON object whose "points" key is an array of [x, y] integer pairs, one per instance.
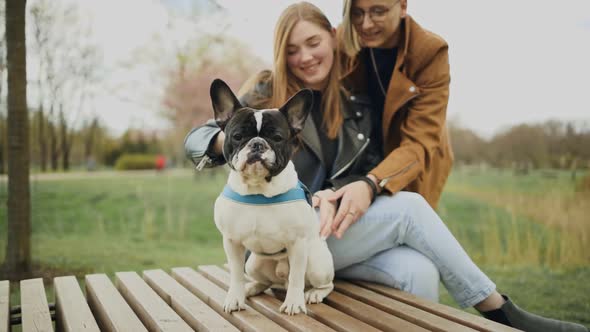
{"points": [[311, 69]]}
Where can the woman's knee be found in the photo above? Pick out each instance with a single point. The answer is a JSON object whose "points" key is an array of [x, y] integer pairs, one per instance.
{"points": [[405, 202], [412, 200], [413, 208]]}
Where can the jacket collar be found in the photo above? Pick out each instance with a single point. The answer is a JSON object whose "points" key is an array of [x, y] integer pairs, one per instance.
{"points": [[309, 136], [401, 88], [402, 48]]}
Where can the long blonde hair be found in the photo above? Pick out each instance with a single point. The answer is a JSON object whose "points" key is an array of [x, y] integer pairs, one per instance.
{"points": [[285, 84]]}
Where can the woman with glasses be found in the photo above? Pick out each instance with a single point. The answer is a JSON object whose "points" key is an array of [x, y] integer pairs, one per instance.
{"points": [[399, 240], [405, 70]]}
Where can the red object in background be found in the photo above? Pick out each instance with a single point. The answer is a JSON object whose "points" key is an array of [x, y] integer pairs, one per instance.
{"points": [[160, 162]]}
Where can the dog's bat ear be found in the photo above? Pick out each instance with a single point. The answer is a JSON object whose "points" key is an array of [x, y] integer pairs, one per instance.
{"points": [[224, 102], [297, 108]]}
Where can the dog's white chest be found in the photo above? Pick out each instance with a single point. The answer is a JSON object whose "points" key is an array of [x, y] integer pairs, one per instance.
{"points": [[265, 228]]}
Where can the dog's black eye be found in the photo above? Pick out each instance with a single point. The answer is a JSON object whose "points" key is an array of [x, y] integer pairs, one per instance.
{"points": [[277, 138], [237, 137]]}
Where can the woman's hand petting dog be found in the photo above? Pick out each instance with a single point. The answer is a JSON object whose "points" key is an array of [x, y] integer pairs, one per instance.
{"points": [[355, 199], [321, 200]]}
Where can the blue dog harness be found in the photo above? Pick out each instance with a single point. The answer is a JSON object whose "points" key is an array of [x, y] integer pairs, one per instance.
{"points": [[299, 192]]}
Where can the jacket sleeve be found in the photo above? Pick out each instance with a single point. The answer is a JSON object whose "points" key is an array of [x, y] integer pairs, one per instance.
{"points": [[343, 181], [198, 145], [369, 161], [423, 127]]}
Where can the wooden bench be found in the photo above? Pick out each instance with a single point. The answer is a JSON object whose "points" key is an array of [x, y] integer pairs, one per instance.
{"points": [[186, 300]]}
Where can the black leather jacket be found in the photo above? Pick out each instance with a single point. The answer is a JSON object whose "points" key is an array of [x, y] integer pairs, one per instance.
{"points": [[355, 157]]}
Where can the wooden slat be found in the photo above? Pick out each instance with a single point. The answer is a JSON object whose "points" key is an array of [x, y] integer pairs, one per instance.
{"points": [[333, 318], [194, 311], [400, 309], [248, 320], [370, 315], [342, 321], [151, 309], [450, 313], [73, 313], [34, 308], [112, 313], [266, 304], [4, 306], [338, 320]]}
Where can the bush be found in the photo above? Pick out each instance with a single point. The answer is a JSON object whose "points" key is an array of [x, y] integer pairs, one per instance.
{"points": [[135, 161]]}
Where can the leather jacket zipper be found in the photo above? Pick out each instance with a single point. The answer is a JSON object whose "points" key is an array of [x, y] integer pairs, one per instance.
{"points": [[384, 181], [345, 167]]}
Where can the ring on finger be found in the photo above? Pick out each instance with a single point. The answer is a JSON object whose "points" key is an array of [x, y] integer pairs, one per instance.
{"points": [[352, 213]]}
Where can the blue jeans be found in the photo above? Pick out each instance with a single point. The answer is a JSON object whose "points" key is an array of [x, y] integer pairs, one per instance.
{"points": [[401, 242]]}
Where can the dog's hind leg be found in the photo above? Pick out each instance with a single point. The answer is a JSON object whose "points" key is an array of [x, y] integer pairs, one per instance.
{"points": [[259, 271], [318, 293], [282, 270], [320, 272]]}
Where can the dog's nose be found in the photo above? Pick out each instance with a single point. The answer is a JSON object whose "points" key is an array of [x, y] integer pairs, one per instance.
{"points": [[257, 146]]}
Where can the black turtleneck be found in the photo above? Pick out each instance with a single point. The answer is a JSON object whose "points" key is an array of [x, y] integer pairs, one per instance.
{"points": [[384, 65]]}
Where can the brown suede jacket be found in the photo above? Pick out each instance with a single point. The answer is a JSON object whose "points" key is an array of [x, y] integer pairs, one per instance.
{"points": [[418, 155]]}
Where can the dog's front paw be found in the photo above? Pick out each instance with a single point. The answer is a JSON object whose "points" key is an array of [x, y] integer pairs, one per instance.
{"points": [[234, 301], [294, 305]]}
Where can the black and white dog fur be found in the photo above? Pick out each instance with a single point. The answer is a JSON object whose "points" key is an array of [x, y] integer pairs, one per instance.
{"points": [[284, 239]]}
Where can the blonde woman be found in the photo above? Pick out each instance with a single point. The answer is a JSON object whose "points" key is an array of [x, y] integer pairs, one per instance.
{"points": [[398, 240]]}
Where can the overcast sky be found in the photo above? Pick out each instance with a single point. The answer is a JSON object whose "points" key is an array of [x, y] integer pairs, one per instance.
{"points": [[511, 61]]}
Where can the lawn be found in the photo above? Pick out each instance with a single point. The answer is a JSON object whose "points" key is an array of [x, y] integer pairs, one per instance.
{"points": [[107, 222]]}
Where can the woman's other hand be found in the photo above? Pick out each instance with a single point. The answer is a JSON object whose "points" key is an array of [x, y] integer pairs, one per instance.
{"points": [[218, 144], [321, 199], [355, 201]]}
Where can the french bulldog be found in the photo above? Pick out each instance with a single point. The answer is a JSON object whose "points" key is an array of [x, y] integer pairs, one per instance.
{"points": [[263, 206]]}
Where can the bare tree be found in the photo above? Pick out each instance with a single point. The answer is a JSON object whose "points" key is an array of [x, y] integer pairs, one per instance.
{"points": [[2, 105], [49, 82], [40, 40], [18, 249], [91, 135], [68, 67]]}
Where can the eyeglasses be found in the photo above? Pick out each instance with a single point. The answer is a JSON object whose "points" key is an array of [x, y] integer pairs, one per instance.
{"points": [[377, 14]]}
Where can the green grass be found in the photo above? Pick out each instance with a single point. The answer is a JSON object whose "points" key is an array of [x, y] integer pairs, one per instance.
{"points": [[489, 234], [516, 250], [536, 182], [535, 219], [137, 221], [124, 222]]}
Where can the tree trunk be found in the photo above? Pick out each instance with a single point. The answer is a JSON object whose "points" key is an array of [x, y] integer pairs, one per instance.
{"points": [[42, 139], [2, 143], [53, 150], [18, 249], [65, 140]]}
